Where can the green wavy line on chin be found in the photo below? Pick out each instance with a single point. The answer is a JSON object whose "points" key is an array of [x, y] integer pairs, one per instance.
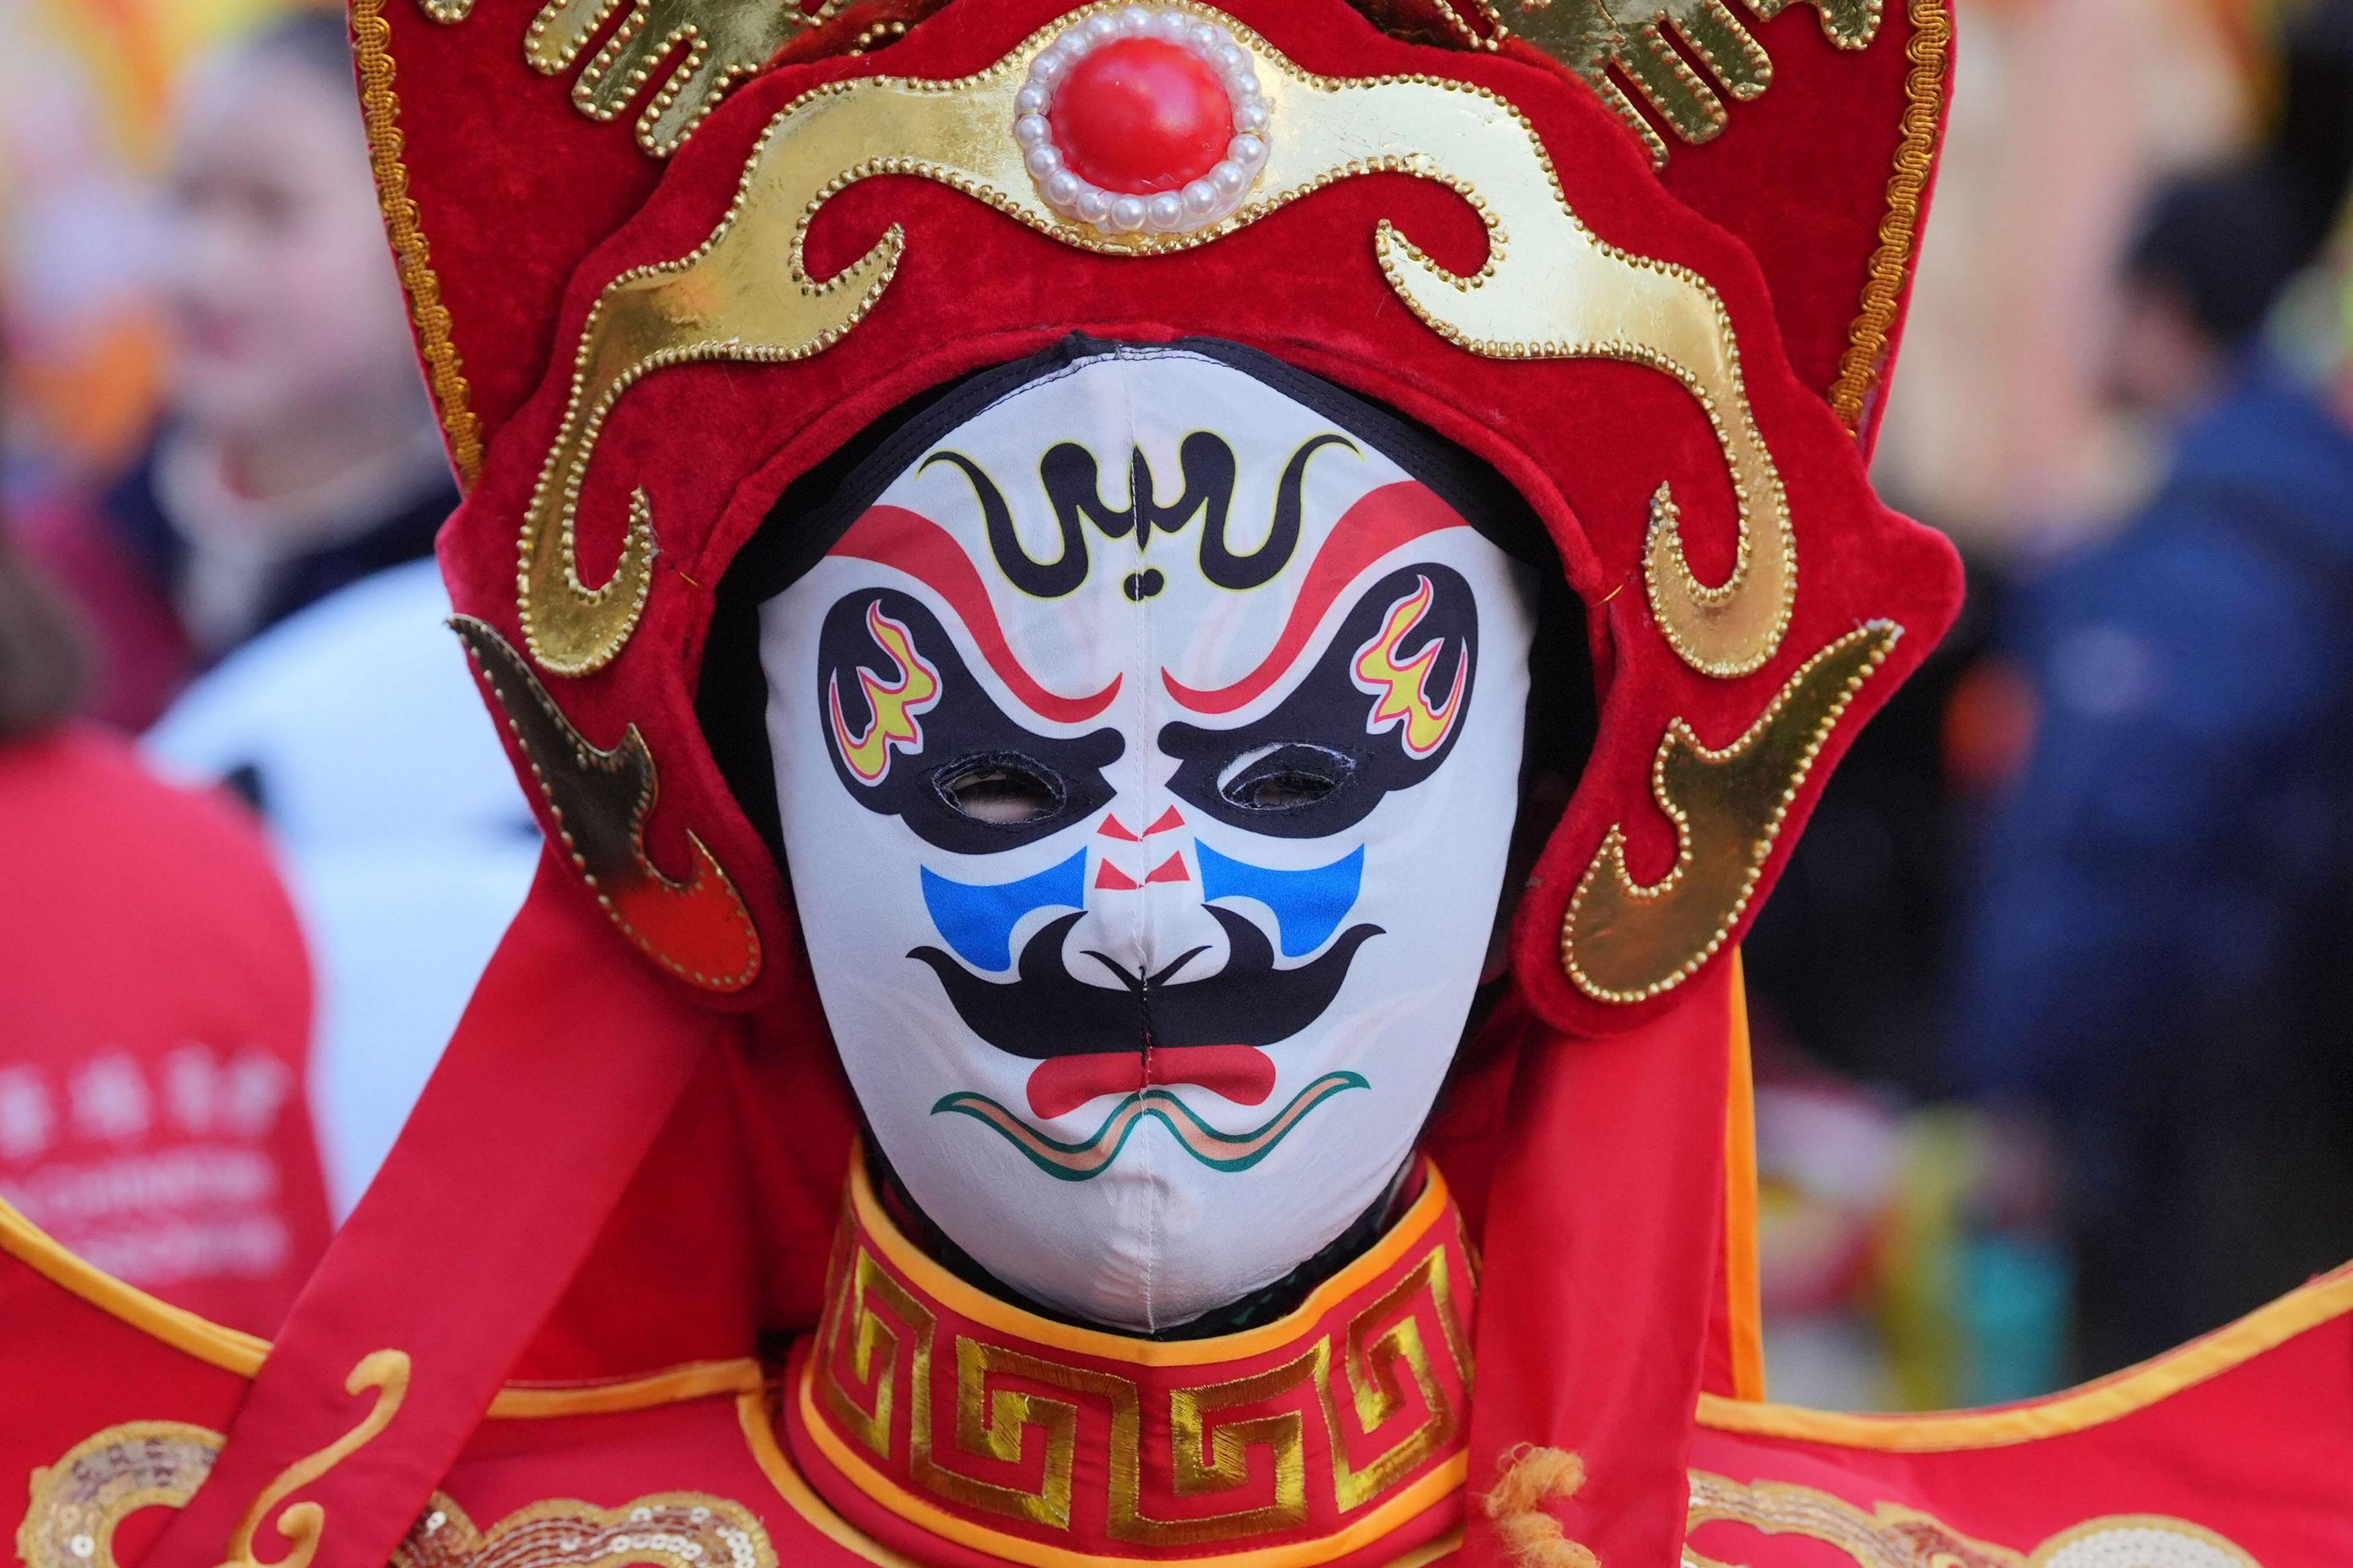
{"points": [[1091, 1156]]}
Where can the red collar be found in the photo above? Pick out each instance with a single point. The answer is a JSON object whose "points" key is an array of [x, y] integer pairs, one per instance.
{"points": [[1333, 1435]]}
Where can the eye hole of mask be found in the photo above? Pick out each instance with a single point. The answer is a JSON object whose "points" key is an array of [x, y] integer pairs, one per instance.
{"points": [[1003, 790], [1402, 662], [1289, 776], [894, 693]]}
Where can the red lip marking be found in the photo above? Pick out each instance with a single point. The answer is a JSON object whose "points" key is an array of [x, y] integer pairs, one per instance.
{"points": [[1169, 870], [1243, 1074]]}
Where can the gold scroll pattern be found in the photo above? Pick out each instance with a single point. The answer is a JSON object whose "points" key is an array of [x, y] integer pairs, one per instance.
{"points": [[78, 1503], [1892, 1536], [1550, 288], [873, 1322], [1685, 57]]}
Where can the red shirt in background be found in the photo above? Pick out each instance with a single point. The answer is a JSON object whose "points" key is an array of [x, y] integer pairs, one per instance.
{"points": [[155, 1023]]}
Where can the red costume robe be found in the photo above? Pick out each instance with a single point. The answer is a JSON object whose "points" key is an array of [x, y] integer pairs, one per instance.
{"points": [[612, 1300]]}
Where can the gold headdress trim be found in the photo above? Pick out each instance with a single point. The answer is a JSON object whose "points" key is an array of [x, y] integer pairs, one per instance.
{"points": [[1550, 290], [380, 113], [1930, 51]]}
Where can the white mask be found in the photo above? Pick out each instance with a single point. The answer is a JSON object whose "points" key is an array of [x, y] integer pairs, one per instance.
{"points": [[1147, 850]]}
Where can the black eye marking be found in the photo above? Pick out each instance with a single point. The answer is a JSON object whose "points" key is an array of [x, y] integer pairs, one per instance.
{"points": [[1315, 765], [998, 784], [1003, 789], [1289, 776]]}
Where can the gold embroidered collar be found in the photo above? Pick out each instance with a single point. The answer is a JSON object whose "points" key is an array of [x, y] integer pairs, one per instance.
{"points": [[1333, 1435]]}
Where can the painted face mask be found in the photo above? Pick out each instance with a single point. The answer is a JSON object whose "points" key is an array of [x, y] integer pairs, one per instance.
{"points": [[1147, 740]]}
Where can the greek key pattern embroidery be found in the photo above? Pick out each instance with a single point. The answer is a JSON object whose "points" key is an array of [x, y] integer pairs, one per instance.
{"points": [[1350, 1419]]}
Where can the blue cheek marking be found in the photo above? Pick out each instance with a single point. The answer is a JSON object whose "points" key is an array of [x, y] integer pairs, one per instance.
{"points": [[1308, 905], [978, 921]]}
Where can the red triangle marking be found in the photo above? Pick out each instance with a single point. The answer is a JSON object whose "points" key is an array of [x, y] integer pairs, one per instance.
{"points": [[1169, 818], [1170, 870], [1118, 881]]}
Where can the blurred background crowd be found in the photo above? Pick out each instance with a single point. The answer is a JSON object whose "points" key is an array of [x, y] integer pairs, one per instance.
{"points": [[2054, 1036]]}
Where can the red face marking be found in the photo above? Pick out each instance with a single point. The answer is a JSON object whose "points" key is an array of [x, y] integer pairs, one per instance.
{"points": [[908, 541], [1379, 522], [1059, 1085]]}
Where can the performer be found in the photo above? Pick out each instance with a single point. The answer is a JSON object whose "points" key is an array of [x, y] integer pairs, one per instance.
{"points": [[1164, 648]]}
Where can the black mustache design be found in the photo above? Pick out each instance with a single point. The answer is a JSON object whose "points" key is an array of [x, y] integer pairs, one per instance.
{"points": [[1047, 1012]]}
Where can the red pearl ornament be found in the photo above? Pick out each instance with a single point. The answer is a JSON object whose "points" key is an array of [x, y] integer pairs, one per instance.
{"points": [[1139, 116]]}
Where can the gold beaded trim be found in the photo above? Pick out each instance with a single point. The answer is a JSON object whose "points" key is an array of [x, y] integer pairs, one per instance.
{"points": [[1623, 942], [1929, 51], [380, 113], [723, 42]]}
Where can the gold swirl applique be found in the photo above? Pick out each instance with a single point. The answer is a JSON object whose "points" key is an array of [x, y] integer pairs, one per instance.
{"points": [[668, 1530], [383, 1374], [1892, 1536], [1550, 290], [104, 1480], [1622, 942], [78, 1503]]}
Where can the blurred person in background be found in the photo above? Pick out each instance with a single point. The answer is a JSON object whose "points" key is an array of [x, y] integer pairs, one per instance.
{"points": [[2157, 957], [343, 709], [298, 452], [157, 1006]]}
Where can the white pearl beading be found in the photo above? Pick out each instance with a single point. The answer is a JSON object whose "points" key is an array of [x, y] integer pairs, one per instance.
{"points": [[1207, 200]]}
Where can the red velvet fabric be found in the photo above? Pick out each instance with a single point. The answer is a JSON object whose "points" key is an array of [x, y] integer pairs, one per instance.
{"points": [[561, 1072]]}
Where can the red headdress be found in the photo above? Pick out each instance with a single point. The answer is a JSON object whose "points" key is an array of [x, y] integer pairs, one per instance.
{"points": [[1647, 263]]}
